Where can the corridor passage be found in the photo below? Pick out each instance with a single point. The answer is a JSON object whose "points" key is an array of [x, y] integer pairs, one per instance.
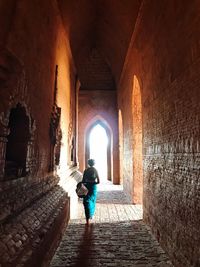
{"points": [[118, 237]]}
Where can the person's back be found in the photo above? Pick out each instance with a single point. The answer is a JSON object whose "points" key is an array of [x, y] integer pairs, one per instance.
{"points": [[90, 175]]}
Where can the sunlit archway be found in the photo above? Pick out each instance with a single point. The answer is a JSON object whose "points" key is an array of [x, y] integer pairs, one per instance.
{"points": [[98, 145], [121, 145], [98, 142], [137, 142]]}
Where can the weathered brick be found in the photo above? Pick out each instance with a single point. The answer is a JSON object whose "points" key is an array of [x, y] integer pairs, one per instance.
{"points": [[169, 83], [121, 240]]}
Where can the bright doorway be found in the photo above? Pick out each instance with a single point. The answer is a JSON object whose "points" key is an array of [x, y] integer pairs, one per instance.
{"points": [[137, 143], [98, 145]]}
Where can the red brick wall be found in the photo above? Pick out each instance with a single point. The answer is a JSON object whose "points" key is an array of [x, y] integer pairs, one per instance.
{"points": [[32, 43], [37, 39], [93, 104], [164, 55]]}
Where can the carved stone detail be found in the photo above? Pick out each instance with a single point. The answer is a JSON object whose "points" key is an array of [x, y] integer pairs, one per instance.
{"points": [[55, 137], [55, 132], [13, 85]]}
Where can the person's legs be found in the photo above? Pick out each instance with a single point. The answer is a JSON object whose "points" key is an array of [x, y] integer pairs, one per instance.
{"points": [[89, 210], [87, 221], [89, 203], [86, 204]]}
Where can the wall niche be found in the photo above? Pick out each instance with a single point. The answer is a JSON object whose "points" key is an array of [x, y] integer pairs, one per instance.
{"points": [[18, 146], [17, 143]]}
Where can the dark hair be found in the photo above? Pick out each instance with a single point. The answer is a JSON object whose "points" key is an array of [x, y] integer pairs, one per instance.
{"points": [[91, 162]]}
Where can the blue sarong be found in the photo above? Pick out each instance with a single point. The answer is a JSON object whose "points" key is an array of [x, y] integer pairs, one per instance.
{"points": [[89, 201]]}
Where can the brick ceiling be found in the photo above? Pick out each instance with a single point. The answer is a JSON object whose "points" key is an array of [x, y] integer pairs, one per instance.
{"points": [[103, 26]]}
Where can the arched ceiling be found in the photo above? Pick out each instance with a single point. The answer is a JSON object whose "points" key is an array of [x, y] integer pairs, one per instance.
{"points": [[105, 26]]}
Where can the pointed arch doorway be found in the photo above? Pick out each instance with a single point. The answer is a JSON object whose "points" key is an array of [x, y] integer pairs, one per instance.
{"points": [[98, 146], [121, 145], [137, 143]]}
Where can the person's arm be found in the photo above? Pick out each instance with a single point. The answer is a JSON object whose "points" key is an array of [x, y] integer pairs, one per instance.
{"points": [[97, 177], [84, 176]]}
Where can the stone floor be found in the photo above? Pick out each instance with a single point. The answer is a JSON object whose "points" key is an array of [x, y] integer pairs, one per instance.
{"points": [[118, 237]]}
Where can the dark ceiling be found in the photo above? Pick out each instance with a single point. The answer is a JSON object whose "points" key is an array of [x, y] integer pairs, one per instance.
{"points": [[99, 30]]}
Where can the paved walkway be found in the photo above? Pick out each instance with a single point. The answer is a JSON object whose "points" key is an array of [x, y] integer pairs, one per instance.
{"points": [[118, 237]]}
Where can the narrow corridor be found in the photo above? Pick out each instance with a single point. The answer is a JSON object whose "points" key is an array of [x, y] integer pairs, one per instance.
{"points": [[132, 68], [118, 237]]}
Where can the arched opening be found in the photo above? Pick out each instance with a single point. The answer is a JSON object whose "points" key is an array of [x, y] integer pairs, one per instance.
{"points": [[121, 149], [99, 146], [137, 143], [98, 150], [17, 144]]}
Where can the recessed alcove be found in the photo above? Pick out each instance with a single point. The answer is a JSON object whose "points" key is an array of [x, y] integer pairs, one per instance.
{"points": [[17, 143]]}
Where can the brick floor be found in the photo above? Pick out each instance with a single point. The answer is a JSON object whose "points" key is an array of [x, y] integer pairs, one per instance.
{"points": [[118, 237]]}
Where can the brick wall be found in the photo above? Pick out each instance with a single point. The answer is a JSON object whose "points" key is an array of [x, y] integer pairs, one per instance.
{"points": [[164, 55], [94, 72], [34, 209], [23, 236]]}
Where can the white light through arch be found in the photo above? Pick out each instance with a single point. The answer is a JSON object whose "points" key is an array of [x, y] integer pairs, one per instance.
{"points": [[98, 141]]}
